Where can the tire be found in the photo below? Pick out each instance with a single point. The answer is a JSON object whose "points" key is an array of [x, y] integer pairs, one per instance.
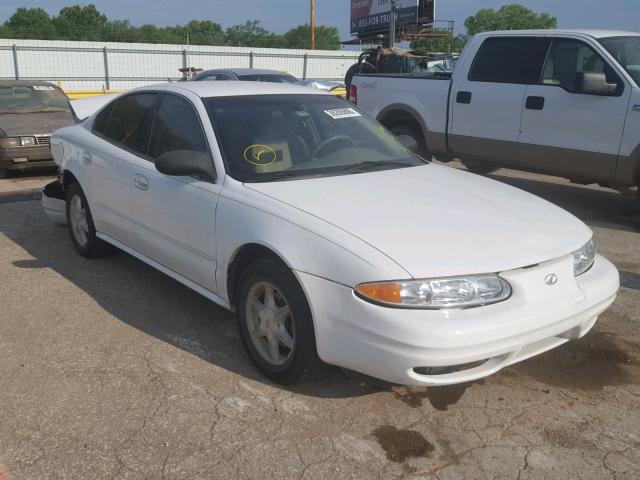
{"points": [[411, 136], [81, 227], [353, 69], [283, 362], [480, 168], [4, 173]]}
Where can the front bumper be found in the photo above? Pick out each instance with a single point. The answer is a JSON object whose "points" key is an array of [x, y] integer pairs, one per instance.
{"points": [[21, 158], [443, 347], [54, 203]]}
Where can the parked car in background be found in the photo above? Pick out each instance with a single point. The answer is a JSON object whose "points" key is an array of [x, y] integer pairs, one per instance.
{"points": [[29, 113], [560, 102], [326, 235], [335, 88], [245, 74]]}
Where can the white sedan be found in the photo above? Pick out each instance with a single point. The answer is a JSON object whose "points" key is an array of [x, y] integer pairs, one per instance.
{"points": [[329, 238]]}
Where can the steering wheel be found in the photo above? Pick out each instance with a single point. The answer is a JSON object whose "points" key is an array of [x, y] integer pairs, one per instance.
{"points": [[325, 143]]}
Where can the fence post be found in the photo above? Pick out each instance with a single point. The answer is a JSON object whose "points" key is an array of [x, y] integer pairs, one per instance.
{"points": [[185, 61], [304, 66], [15, 62], [107, 81], [250, 59]]}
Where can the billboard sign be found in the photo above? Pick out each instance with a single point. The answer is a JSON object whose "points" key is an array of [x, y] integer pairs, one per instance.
{"points": [[375, 15]]}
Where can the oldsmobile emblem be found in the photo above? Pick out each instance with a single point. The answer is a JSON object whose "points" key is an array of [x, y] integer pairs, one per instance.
{"points": [[551, 279]]}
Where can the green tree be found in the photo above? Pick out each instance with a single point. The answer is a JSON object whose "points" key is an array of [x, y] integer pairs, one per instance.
{"points": [[34, 23], [251, 34], [441, 43], [203, 32], [80, 23], [508, 17], [327, 38], [119, 31]]}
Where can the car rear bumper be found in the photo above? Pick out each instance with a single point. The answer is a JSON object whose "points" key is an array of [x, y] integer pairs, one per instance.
{"points": [[26, 157], [443, 347]]}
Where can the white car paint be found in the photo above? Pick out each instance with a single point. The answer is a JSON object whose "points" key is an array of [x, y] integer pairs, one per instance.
{"points": [[338, 232]]}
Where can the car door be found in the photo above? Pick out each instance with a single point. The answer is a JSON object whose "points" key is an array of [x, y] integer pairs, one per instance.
{"points": [[175, 216], [487, 104], [121, 129], [566, 131]]}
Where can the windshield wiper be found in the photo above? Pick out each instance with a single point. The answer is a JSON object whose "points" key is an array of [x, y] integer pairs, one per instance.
{"points": [[371, 166]]}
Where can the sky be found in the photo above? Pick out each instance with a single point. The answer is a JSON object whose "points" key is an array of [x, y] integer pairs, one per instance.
{"points": [[281, 15]]}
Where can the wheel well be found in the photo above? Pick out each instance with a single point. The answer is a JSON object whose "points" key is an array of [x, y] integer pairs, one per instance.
{"points": [[244, 257], [68, 178], [399, 117]]}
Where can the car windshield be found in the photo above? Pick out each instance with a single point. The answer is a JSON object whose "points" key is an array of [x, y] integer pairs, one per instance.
{"points": [[626, 50], [276, 137], [32, 99], [273, 78]]}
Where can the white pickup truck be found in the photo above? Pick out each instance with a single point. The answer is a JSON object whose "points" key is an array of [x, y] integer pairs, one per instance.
{"points": [[561, 102]]}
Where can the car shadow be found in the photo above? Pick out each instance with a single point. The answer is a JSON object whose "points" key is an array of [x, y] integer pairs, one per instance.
{"points": [[142, 297]]}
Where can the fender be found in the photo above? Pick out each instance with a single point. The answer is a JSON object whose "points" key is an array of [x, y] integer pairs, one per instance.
{"points": [[628, 168]]}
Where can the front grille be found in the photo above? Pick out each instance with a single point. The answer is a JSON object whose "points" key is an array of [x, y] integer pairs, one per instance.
{"points": [[43, 140]]}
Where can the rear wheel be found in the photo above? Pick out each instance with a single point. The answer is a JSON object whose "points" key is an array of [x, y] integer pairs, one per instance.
{"points": [[411, 136], [81, 227], [480, 168], [275, 322]]}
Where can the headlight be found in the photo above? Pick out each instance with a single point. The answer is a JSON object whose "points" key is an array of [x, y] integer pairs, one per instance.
{"points": [[437, 293], [9, 142], [27, 141], [583, 259]]}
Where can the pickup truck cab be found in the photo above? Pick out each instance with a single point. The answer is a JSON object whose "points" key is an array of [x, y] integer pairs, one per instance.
{"points": [[560, 102]]}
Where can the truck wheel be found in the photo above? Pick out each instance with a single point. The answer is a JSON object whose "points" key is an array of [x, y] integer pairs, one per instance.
{"points": [[81, 227], [275, 322], [412, 138], [353, 69], [4, 173], [480, 168]]}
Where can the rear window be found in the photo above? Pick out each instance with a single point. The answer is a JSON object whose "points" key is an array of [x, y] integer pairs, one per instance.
{"points": [[510, 60], [269, 78]]}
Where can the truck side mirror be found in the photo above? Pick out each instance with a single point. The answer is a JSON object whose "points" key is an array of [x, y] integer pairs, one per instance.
{"points": [[592, 83]]}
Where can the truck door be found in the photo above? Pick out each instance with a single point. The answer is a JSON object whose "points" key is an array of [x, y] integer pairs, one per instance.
{"points": [[487, 104], [568, 128]]}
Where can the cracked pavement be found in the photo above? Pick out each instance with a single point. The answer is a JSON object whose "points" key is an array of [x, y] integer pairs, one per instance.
{"points": [[111, 370]]}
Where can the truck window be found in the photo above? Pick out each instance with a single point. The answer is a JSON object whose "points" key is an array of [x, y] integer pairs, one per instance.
{"points": [[569, 57], [510, 60]]}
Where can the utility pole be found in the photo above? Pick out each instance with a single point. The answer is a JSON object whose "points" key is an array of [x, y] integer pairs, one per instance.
{"points": [[392, 24], [313, 24]]}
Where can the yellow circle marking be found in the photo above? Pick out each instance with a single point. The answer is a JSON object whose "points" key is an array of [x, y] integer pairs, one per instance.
{"points": [[251, 156]]}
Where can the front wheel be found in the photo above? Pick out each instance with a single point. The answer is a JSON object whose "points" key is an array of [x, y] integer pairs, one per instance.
{"points": [[81, 227], [275, 322]]}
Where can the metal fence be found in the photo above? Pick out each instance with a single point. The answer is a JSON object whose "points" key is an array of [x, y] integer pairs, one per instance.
{"points": [[94, 65]]}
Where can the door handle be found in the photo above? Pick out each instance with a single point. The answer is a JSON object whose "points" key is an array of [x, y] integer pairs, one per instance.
{"points": [[464, 97], [86, 158], [535, 103], [140, 182]]}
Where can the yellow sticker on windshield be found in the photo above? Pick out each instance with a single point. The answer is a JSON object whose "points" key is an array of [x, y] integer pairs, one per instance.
{"points": [[261, 155]]}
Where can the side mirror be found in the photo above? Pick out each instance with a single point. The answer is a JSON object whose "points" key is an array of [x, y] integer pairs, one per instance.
{"points": [[185, 163], [592, 83]]}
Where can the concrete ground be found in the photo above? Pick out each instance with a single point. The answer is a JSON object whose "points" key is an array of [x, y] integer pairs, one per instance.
{"points": [[111, 370]]}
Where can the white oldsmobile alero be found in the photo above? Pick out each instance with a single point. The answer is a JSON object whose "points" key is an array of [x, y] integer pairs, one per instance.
{"points": [[329, 239]]}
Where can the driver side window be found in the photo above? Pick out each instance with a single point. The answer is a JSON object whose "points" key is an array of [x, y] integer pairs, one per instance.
{"points": [[568, 58]]}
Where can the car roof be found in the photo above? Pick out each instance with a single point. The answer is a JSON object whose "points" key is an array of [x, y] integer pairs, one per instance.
{"points": [[245, 71], [585, 32], [231, 89], [26, 83]]}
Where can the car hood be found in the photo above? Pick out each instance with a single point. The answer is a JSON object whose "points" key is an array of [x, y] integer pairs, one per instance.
{"points": [[43, 123], [437, 221]]}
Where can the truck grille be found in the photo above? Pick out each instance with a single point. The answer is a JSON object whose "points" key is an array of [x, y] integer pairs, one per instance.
{"points": [[43, 140]]}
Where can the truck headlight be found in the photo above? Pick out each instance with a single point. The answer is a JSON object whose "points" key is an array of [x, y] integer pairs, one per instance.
{"points": [[437, 293], [583, 258], [27, 141]]}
